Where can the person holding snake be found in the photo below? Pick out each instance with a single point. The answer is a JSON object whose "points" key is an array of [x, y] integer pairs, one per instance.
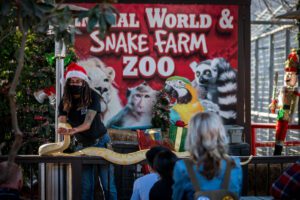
{"points": [[80, 107]]}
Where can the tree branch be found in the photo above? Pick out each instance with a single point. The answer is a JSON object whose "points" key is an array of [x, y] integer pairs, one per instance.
{"points": [[12, 96], [13, 109]]}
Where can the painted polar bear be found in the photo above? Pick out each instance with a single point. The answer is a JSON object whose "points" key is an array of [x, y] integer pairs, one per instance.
{"points": [[101, 78]]}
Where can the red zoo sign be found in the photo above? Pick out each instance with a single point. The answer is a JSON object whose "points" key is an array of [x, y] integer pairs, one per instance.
{"points": [[152, 42]]}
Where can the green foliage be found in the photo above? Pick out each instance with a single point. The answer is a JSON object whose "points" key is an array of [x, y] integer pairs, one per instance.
{"points": [[99, 16], [33, 17], [7, 66], [35, 120], [36, 75], [38, 16]]}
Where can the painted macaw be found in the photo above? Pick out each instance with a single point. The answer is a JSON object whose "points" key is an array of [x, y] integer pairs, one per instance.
{"points": [[187, 103]]}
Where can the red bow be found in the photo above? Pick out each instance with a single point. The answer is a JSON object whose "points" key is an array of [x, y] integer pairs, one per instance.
{"points": [[180, 123]]}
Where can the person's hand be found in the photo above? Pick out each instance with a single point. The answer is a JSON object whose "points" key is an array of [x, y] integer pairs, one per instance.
{"points": [[273, 106], [62, 131], [65, 129], [72, 131]]}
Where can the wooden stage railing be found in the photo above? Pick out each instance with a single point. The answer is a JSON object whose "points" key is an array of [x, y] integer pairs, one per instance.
{"points": [[258, 175]]}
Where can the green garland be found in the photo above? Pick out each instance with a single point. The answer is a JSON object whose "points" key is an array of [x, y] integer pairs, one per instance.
{"points": [[161, 112]]}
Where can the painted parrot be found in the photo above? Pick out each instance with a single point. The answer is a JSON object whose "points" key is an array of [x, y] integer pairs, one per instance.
{"points": [[187, 103]]}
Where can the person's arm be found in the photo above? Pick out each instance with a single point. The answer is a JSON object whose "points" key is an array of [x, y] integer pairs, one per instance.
{"points": [[177, 187], [287, 185], [86, 125], [135, 191]]}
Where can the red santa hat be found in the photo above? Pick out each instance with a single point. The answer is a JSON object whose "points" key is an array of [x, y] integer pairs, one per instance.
{"points": [[292, 63], [75, 71]]}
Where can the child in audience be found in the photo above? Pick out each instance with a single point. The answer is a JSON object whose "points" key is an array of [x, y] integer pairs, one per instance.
{"points": [[163, 163], [142, 185]]}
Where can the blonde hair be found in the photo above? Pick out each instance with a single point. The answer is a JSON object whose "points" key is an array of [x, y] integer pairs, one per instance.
{"points": [[207, 142]]}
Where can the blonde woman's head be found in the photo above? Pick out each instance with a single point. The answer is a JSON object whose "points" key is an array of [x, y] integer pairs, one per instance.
{"points": [[206, 137]]}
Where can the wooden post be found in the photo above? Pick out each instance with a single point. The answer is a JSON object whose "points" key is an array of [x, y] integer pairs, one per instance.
{"points": [[298, 52]]}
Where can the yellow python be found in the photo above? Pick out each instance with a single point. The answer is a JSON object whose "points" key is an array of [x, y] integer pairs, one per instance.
{"points": [[56, 149]]}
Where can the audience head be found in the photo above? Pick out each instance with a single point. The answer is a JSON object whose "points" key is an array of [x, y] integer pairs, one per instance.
{"points": [[150, 155], [164, 163], [15, 177], [206, 137], [76, 86]]}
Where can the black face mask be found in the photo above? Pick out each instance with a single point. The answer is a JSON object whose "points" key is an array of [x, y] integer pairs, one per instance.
{"points": [[75, 89]]}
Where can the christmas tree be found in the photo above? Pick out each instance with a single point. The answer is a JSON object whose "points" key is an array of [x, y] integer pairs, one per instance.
{"points": [[161, 112]]}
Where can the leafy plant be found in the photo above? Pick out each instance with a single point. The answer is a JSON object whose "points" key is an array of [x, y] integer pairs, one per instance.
{"points": [[20, 20], [161, 112]]}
